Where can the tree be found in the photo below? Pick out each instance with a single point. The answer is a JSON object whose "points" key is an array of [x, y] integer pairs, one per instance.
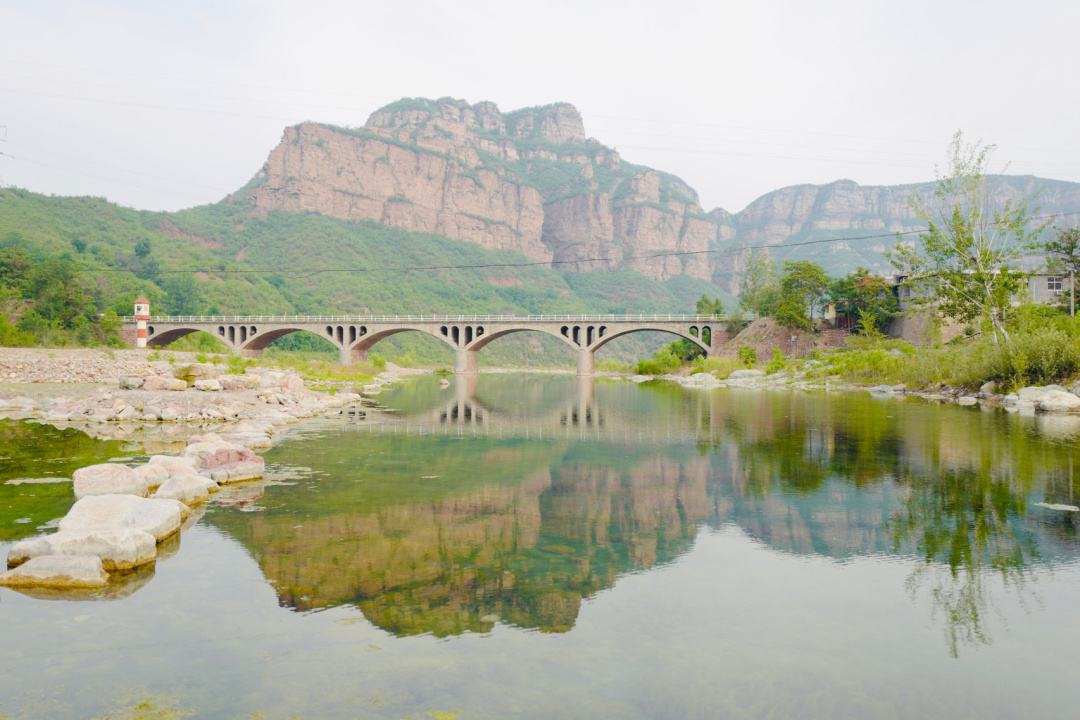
{"points": [[60, 300], [182, 295], [866, 298], [1063, 255], [964, 263], [803, 287], [709, 306], [760, 290]]}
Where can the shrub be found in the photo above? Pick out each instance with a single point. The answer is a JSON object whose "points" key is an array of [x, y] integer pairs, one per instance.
{"points": [[748, 356], [778, 362], [664, 361], [721, 367]]}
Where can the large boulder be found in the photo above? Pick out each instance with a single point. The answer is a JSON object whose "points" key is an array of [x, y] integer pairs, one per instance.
{"points": [[131, 382], [746, 374], [159, 517], [162, 382], [197, 370], [294, 384], [118, 549], [58, 571], [1032, 395], [208, 385], [153, 474], [108, 479], [225, 462], [190, 489], [1059, 401], [171, 460]]}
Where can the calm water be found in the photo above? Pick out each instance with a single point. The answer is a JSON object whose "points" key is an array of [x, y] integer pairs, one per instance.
{"points": [[536, 547]]}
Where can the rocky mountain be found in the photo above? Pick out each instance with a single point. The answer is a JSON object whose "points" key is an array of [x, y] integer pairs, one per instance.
{"points": [[532, 181], [528, 180]]}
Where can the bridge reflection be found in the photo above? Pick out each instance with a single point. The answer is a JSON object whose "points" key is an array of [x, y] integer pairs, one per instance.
{"points": [[581, 406]]}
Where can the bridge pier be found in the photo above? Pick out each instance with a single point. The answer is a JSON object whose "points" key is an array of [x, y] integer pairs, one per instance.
{"points": [[465, 362], [586, 362], [345, 356]]}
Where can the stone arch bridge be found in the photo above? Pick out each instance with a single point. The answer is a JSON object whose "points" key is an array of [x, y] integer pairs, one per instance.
{"points": [[465, 334]]}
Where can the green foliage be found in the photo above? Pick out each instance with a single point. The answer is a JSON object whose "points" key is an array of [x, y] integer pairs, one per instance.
{"points": [[671, 357], [803, 287], [747, 356], [709, 306], [964, 265], [760, 286], [665, 361], [777, 363], [1044, 347], [721, 367], [866, 298], [182, 295], [1063, 251]]}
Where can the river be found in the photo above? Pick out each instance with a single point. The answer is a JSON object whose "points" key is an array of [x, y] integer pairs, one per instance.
{"points": [[535, 546]]}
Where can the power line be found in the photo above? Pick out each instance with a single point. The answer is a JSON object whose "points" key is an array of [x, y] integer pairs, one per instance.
{"points": [[549, 263]]}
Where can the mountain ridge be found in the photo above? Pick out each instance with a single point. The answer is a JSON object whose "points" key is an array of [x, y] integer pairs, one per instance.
{"points": [[532, 180]]}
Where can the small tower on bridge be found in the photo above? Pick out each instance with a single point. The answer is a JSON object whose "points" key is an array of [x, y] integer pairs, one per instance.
{"points": [[142, 317]]}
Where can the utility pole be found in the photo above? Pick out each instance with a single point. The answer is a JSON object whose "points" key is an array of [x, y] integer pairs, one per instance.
{"points": [[1072, 293]]}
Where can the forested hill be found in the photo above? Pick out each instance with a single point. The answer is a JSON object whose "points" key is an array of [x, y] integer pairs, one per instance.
{"points": [[228, 258]]}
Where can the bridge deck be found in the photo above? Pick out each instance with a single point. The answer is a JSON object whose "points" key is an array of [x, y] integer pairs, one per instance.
{"points": [[354, 335], [636, 318]]}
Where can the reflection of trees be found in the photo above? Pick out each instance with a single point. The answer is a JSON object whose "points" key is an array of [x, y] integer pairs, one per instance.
{"points": [[971, 523], [849, 475]]}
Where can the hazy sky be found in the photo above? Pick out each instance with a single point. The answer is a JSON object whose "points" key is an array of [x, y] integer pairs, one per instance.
{"points": [[166, 105]]}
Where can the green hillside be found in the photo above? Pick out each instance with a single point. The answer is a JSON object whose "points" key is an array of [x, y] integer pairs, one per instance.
{"points": [[223, 258]]}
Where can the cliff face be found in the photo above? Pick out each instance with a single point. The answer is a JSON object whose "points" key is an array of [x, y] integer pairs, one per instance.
{"points": [[528, 180], [532, 181]]}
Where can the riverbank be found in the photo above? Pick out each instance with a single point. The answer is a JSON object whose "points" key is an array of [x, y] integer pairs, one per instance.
{"points": [[200, 425], [1055, 399]]}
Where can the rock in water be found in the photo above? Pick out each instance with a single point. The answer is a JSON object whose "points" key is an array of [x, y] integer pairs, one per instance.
{"points": [[118, 549], [157, 516], [1057, 506], [748, 374], [58, 571], [153, 473], [190, 489], [225, 462], [1059, 401], [108, 479]]}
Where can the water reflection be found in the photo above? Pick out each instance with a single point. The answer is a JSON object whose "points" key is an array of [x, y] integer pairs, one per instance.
{"points": [[510, 499]]}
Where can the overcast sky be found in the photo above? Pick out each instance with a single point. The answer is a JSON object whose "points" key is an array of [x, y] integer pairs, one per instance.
{"points": [[166, 105]]}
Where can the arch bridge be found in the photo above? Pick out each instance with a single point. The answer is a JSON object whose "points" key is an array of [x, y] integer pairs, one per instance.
{"points": [[465, 334]]}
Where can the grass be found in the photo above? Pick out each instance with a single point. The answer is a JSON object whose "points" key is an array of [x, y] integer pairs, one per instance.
{"points": [[1044, 348], [320, 368]]}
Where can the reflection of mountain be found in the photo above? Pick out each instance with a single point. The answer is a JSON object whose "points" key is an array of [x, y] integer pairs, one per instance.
{"points": [[445, 533], [526, 551]]}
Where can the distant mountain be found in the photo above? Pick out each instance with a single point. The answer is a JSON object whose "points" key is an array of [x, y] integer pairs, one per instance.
{"points": [[532, 181]]}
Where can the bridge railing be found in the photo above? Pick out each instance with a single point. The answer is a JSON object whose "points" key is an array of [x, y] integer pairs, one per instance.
{"points": [[304, 319]]}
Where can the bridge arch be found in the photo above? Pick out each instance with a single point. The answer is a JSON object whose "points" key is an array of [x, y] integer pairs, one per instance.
{"points": [[484, 338], [367, 340], [254, 340], [695, 338], [166, 337]]}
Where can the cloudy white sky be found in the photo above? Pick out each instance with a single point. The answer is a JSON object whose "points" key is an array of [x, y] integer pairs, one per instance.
{"points": [[166, 105]]}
